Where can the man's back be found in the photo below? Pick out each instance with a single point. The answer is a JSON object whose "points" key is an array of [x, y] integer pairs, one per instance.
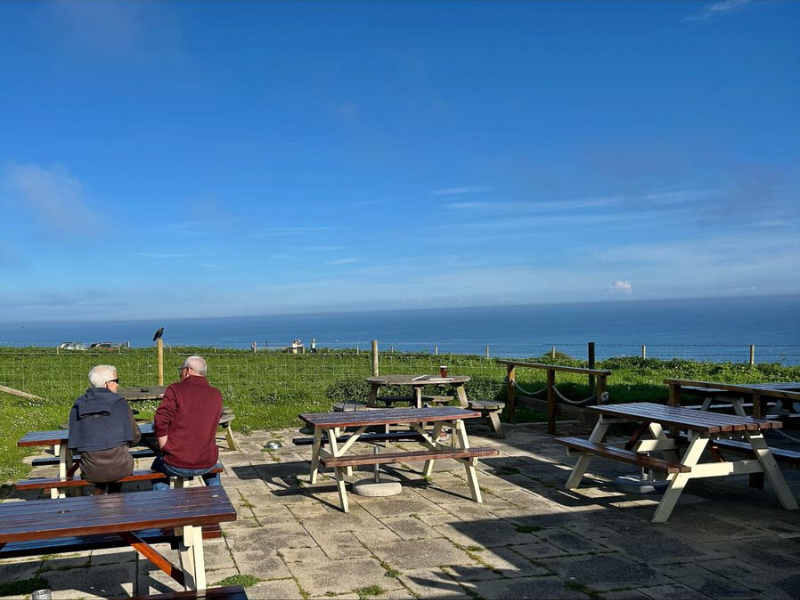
{"points": [[189, 415]]}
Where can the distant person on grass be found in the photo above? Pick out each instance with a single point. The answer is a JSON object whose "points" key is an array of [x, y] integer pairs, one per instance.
{"points": [[186, 426], [102, 429]]}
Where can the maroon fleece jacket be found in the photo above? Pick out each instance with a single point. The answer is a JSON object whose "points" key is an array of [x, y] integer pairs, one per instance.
{"points": [[189, 414]]}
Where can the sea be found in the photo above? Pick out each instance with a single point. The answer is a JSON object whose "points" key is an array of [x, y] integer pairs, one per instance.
{"points": [[709, 329]]}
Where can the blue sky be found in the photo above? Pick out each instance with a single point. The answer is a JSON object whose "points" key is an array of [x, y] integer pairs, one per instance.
{"points": [[188, 159]]}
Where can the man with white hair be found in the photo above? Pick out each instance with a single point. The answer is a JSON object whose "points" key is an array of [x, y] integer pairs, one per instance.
{"points": [[102, 428], [186, 426]]}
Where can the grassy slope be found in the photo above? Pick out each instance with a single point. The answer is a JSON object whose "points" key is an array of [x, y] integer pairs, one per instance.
{"points": [[268, 390]]}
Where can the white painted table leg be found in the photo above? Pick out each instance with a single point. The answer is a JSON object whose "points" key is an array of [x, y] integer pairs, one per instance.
{"points": [[598, 433], [678, 481], [315, 454], [192, 558], [771, 470]]}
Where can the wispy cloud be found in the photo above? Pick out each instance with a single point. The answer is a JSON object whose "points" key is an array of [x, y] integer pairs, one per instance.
{"points": [[621, 287], [718, 9], [161, 255], [53, 196], [210, 266], [534, 206], [343, 261], [458, 191]]}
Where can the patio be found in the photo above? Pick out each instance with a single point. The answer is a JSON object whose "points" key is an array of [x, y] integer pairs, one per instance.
{"points": [[529, 538]]}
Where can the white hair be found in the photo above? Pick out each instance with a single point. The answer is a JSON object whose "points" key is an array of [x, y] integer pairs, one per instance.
{"points": [[196, 364], [102, 374]]}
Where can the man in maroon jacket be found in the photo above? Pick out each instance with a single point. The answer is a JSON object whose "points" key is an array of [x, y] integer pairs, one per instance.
{"points": [[186, 426]]}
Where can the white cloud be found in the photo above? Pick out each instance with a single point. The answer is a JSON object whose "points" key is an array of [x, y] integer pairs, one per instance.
{"points": [[457, 191], [210, 266], [716, 9], [621, 287], [343, 261], [54, 197]]}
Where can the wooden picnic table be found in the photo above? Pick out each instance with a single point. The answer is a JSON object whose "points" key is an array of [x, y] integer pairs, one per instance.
{"points": [[331, 425], [788, 393], [142, 393], [124, 515], [702, 430], [57, 440], [416, 382]]}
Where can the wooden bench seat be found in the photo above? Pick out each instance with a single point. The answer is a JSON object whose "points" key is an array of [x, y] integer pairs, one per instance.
{"points": [[622, 455], [235, 592], [790, 457], [396, 457], [393, 436], [47, 483], [490, 410]]}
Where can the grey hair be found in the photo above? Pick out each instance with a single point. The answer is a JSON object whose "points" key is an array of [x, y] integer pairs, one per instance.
{"points": [[196, 364], [102, 374]]}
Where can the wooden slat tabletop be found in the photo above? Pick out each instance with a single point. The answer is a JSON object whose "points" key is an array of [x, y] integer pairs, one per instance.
{"points": [[141, 393], [708, 422], [416, 380], [60, 436], [113, 513], [393, 416]]}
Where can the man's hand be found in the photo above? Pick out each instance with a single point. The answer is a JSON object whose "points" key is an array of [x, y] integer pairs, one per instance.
{"points": [[162, 441]]}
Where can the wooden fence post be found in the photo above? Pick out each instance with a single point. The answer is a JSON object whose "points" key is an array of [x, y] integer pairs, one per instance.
{"points": [[553, 351], [644, 352], [511, 392], [436, 349], [752, 354], [591, 366], [487, 350], [160, 351], [551, 401], [375, 358]]}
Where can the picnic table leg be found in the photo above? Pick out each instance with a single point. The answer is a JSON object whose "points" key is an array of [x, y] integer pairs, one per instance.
{"points": [[437, 430], [192, 558], [771, 470], [598, 433], [64, 466], [469, 463], [678, 481], [462, 396], [315, 454], [372, 399], [341, 488]]}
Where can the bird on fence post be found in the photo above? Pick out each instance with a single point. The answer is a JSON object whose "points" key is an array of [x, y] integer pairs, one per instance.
{"points": [[160, 352]]}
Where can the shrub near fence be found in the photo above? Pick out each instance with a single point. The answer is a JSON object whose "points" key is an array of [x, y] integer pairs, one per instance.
{"points": [[269, 389]]}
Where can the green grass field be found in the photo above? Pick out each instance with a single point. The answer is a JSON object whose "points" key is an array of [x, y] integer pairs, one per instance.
{"points": [[269, 389]]}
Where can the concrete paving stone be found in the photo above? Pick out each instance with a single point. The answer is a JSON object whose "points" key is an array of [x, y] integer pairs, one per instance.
{"points": [[505, 562], [106, 556], [264, 564], [64, 562], [303, 555], [276, 588], [359, 518], [416, 554], [604, 572], [551, 588], [657, 547], [217, 555], [404, 504], [433, 583], [788, 548], [101, 581], [693, 523], [409, 528], [571, 542], [631, 595], [488, 533], [344, 546], [10, 573], [759, 555], [781, 587], [215, 576], [706, 583], [341, 576], [286, 534], [538, 549], [732, 568]]}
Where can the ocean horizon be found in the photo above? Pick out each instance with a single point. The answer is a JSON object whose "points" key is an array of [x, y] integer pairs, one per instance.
{"points": [[711, 329]]}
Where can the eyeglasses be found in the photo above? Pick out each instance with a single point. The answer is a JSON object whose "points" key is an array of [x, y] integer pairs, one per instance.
{"points": [[112, 381], [182, 369]]}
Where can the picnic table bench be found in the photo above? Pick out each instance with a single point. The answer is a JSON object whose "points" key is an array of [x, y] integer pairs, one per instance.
{"points": [[703, 430], [23, 524], [76, 481], [234, 592], [331, 425]]}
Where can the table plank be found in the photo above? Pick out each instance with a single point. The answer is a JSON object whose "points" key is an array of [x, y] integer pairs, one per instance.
{"points": [[113, 513], [707, 422], [393, 416], [60, 436]]}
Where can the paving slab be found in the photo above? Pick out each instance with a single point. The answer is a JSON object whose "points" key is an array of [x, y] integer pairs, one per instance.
{"points": [[530, 538]]}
